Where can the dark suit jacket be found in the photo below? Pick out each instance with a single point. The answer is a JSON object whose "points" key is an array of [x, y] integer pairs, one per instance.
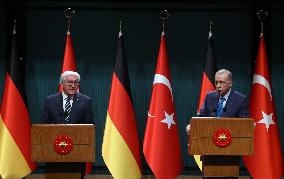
{"points": [[81, 112], [236, 105]]}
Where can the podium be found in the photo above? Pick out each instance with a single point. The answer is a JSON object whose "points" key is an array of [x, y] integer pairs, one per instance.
{"points": [[221, 142], [63, 143]]}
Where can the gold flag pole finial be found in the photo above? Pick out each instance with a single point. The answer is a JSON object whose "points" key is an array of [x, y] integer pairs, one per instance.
{"points": [[164, 15], [262, 15], [69, 13]]}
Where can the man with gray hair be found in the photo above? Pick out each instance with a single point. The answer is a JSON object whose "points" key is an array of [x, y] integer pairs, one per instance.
{"points": [[68, 106], [224, 102]]}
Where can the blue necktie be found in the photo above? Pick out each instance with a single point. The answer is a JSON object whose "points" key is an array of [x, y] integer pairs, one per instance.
{"points": [[220, 107]]}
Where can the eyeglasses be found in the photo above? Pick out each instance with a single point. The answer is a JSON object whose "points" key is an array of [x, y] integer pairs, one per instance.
{"points": [[71, 83]]}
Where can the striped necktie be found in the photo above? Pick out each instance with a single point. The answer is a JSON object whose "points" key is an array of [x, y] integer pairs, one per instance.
{"points": [[67, 108]]}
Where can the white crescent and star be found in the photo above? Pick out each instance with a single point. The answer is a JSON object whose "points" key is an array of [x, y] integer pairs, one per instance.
{"points": [[161, 79], [149, 115], [169, 118], [258, 79], [267, 120]]}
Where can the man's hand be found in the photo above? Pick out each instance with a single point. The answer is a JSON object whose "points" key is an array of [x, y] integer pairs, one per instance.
{"points": [[187, 129]]}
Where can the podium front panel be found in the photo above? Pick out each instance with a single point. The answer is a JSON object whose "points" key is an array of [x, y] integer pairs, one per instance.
{"points": [[202, 130], [43, 140]]}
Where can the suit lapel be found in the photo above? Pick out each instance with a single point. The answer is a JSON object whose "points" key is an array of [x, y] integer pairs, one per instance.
{"points": [[229, 104], [59, 103], [216, 100], [75, 105]]}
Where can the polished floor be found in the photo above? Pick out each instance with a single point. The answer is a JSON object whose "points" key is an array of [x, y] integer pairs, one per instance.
{"points": [[40, 176]]}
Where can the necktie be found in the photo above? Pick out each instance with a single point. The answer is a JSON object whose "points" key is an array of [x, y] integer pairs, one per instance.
{"points": [[220, 107], [67, 108]]}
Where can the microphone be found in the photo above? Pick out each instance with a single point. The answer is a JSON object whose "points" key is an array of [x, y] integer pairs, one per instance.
{"points": [[213, 112]]}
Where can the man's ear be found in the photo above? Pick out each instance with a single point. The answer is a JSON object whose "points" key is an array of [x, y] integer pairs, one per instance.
{"points": [[231, 83]]}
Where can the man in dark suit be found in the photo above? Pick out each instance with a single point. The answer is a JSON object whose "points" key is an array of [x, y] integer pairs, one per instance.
{"points": [[224, 102], [68, 106]]}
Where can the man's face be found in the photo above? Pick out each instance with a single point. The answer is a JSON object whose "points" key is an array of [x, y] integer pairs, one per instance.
{"points": [[70, 85], [222, 84]]}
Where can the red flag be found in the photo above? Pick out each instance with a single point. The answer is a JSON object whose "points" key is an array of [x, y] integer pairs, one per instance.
{"points": [[15, 126], [161, 141], [266, 163], [69, 62]]}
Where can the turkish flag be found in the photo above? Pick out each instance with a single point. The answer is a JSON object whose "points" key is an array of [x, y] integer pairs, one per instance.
{"points": [[69, 62], [266, 162], [161, 141]]}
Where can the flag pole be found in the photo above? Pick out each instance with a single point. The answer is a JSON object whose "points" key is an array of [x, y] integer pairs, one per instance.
{"points": [[164, 15], [210, 29], [69, 13], [262, 15], [15, 25], [210, 26], [120, 28]]}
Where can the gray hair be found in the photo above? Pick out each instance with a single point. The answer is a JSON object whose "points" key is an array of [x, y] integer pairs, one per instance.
{"points": [[224, 71], [68, 73]]}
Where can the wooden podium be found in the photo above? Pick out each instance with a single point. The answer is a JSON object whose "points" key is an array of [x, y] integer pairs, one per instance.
{"points": [[46, 136], [221, 142]]}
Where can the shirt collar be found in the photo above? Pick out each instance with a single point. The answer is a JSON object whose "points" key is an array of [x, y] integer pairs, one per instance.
{"points": [[227, 95], [65, 96]]}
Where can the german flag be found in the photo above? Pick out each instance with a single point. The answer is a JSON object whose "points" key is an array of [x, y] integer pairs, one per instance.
{"points": [[120, 148], [15, 127], [207, 84], [210, 69]]}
